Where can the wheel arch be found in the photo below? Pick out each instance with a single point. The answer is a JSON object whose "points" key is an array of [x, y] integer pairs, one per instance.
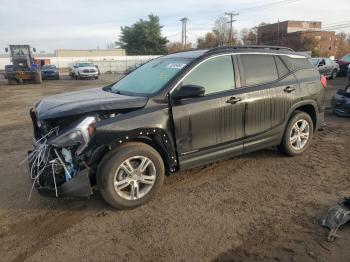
{"points": [[308, 107], [310, 110], [156, 138]]}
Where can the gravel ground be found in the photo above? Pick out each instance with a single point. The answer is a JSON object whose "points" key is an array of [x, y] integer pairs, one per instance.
{"points": [[258, 207]]}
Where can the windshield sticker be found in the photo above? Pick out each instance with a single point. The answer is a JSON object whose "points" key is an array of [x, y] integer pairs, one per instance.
{"points": [[176, 65]]}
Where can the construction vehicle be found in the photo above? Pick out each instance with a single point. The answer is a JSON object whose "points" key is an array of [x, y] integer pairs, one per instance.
{"points": [[23, 67]]}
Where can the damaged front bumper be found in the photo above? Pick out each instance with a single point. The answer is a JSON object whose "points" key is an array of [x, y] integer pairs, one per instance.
{"points": [[54, 170], [341, 103], [48, 182]]}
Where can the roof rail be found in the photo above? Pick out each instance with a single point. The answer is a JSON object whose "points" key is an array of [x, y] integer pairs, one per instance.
{"points": [[265, 47]]}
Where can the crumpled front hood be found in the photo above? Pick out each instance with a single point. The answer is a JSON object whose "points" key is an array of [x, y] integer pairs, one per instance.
{"points": [[84, 101]]}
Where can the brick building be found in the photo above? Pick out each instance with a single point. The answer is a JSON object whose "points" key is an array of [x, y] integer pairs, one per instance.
{"points": [[294, 33]]}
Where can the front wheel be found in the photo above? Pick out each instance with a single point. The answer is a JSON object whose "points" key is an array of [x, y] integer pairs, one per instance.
{"points": [[297, 135], [130, 176]]}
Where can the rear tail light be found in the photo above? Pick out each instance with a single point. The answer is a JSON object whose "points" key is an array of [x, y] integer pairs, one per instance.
{"points": [[324, 81]]}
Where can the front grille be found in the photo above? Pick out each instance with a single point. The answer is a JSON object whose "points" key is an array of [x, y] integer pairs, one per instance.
{"points": [[89, 71]]}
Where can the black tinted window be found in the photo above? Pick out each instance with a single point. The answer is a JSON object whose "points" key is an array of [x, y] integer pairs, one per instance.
{"points": [[215, 75], [296, 63], [259, 69]]}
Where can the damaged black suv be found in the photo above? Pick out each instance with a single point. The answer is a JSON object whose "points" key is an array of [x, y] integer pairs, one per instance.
{"points": [[172, 113]]}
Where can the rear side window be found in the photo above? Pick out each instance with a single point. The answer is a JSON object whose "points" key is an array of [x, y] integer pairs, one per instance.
{"points": [[281, 68], [295, 64], [259, 69]]}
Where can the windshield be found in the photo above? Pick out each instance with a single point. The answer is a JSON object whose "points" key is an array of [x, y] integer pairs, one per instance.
{"points": [[346, 58], [49, 67], [85, 65], [151, 77], [314, 61]]}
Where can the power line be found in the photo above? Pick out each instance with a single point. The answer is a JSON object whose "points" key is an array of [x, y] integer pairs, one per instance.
{"points": [[269, 5]]}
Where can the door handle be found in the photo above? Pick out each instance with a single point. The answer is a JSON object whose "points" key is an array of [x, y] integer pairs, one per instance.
{"points": [[289, 89], [233, 100]]}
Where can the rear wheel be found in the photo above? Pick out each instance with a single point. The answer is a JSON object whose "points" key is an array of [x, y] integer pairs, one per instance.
{"points": [[131, 176], [297, 135]]}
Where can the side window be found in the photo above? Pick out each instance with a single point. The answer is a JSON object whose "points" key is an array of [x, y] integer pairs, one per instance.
{"points": [[298, 63], [259, 69], [328, 61], [215, 75], [281, 68]]}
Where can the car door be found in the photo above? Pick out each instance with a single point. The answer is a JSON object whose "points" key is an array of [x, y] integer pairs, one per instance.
{"points": [[329, 67], [270, 90], [209, 127]]}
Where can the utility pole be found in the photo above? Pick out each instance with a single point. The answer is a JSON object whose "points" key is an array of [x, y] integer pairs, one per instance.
{"points": [[184, 32], [231, 14]]}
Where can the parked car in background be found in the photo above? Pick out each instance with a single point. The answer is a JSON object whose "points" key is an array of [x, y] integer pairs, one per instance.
{"points": [[343, 63], [175, 112], [326, 66], [83, 70], [50, 72], [132, 68]]}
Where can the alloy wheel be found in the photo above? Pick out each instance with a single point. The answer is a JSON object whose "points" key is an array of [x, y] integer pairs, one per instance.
{"points": [[135, 177], [299, 135]]}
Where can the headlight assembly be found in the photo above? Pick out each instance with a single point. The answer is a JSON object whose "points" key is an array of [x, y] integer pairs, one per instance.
{"points": [[79, 135]]}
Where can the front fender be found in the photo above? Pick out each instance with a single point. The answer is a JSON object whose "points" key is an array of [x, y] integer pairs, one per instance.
{"points": [[149, 125]]}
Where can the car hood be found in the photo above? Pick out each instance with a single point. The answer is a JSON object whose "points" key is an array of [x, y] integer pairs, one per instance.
{"points": [[85, 101]]}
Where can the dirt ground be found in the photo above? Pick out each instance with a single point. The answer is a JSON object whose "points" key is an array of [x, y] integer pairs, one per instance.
{"points": [[258, 207]]}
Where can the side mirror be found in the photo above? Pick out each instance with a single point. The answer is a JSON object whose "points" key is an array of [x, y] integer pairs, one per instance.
{"points": [[34, 49], [188, 91], [6, 49]]}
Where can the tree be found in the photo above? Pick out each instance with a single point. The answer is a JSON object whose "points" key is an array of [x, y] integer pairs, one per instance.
{"points": [[249, 36], [221, 30], [177, 47], [342, 44], [312, 43], [144, 37], [208, 41], [219, 36]]}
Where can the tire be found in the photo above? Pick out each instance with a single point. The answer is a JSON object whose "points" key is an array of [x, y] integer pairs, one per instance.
{"points": [[110, 171], [291, 148], [38, 78], [334, 74]]}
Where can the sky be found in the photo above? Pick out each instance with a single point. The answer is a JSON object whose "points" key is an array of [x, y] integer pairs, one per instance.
{"points": [[87, 24]]}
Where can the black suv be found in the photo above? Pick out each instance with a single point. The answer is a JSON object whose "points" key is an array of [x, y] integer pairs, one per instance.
{"points": [[172, 113]]}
